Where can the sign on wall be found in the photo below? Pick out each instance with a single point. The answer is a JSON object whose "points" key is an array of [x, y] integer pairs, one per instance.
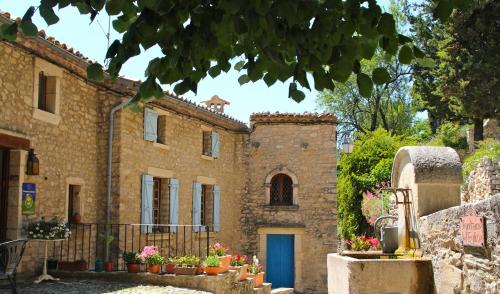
{"points": [[473, 229], [29, 195]]}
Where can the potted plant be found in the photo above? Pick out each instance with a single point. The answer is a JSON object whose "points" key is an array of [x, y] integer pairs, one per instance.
{"points": [[52, 263], [77, 218], [108, 265], [212, 265], [187, 265], [225, 259], [170, 265], [152, 257], [238, 264], [133, 261], [255, 272], [99, 266], [361, 243]]}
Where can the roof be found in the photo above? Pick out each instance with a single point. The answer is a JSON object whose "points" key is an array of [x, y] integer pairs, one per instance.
{"points": [[297, 118], [216, 100], [77, 64]]}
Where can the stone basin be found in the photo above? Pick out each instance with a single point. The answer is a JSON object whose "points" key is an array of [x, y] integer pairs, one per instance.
{"points": [[377, 273]]}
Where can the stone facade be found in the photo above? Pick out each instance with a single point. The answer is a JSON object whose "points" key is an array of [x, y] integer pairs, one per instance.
{"points": [[71, 144], [459, 269], [483, 181], [303, 148]]}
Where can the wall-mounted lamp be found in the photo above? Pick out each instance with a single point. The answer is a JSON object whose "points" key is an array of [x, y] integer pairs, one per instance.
{"points": [[347, 146], [33, 165]]}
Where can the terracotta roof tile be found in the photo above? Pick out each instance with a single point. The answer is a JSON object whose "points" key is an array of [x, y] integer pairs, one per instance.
{"points": [[306, 117]]}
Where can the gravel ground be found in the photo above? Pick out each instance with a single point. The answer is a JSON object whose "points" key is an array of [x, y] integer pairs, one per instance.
{"points": [[97, 286]]}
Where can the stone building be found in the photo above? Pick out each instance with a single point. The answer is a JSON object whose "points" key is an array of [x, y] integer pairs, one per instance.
{"points": [[267, 190]]}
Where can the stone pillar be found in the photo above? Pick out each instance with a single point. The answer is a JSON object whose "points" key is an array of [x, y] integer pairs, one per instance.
{"points": [[17, 165], [434, 176]]}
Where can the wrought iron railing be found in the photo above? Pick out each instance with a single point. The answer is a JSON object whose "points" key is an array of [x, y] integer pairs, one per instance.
{"points": [[87, 242]]}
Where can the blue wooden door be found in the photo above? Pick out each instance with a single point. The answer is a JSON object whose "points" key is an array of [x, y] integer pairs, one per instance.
{"points": [[280, 269]]}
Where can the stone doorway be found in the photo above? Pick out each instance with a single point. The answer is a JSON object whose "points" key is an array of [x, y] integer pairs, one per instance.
{"points": [[4, 190]]}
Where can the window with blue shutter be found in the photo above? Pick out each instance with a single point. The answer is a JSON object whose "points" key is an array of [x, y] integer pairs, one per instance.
{"points": [[150, 125], [147, 203], [216, 190], [174, 204], [196, 206], [215, 145]]}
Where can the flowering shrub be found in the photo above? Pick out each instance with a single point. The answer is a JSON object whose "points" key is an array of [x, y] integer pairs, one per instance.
{"points": [[151, 255], [187, 261], [48, 230], [375, 203], [255, 267], [132, 258], [218, 249], [362, 243], [238, 260]]}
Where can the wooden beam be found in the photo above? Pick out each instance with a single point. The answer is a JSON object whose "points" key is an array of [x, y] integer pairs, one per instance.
{"points": [[12, 142]]}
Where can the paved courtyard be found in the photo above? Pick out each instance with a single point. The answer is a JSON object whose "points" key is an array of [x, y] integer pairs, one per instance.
{"points": [[96, 286]]}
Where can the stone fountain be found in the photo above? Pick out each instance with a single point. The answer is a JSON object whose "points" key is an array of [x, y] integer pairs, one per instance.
{"points": [[424, 180]]}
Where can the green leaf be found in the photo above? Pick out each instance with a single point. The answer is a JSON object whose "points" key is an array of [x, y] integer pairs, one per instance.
{"points": [[150, 89], [426, 62], [380, 76], [214, 71], [269, 80], [239, 65], [121, 24], [28, 28], [443, 10], [9, 31], [405, 55], [386, 25], [29, 13], [365, 85], [48, 15], [114, 7], [95, 72], [113, 49], [97, 4], [243, 79], [294, 93], [418, 53], [404, 39]]}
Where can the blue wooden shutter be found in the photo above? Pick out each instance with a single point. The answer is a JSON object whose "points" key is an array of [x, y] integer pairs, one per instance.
{"points": [[174, 204], [215, 145], [196, 206], [216, 208], [150, 125], [147, 203]]}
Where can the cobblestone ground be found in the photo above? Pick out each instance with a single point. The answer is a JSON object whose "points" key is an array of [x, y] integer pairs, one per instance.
{"points": [[96, 286]]}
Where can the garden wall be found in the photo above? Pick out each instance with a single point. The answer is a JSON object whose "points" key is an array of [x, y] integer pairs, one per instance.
{"points": [[458, 268], [483, 181]]}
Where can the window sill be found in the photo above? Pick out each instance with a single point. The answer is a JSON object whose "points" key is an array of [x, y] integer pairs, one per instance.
{"points": [[206, 157], [281, 207], [46, 116], [161, 146]]}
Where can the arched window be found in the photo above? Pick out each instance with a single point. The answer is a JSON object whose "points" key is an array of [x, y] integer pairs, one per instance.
{"points": [[281, 190]]}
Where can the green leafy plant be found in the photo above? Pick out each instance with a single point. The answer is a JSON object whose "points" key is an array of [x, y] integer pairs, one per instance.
{"points": [[255, 267], [488, 148], [187, 261], [200, 39], [218, 249], [374, 205], [212, 261], [450, 135], [238, 260], [132, 258]]}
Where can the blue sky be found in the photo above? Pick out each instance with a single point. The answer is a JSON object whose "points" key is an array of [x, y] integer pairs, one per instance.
{"points": [[76, 31]]}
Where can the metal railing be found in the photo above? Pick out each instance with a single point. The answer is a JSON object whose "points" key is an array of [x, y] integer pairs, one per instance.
{"points": [[87, 241]]}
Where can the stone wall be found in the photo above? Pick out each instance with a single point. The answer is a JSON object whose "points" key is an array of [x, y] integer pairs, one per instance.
{"points": [[304, 150], [483, 181], [459, 269]]}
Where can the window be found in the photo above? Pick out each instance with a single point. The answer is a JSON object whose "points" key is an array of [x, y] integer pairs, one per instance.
{"points": [[47, 92], [207, 205], [155, 126], [160, 202], [73, 202], [210, 144], [161, 129], [281, 190]]}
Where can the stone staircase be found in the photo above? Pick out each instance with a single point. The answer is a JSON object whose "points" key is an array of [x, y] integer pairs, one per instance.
{"points": [[282, 291]]}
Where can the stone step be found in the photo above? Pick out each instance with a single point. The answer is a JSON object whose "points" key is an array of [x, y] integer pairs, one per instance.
{"points": [[264, 289], [282, 291]]}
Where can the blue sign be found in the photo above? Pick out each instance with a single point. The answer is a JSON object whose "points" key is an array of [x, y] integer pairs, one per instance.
{"points": [[29, 195]]}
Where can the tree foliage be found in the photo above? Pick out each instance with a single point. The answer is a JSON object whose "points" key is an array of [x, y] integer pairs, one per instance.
{"points": [[274, 39], [369, 163]]}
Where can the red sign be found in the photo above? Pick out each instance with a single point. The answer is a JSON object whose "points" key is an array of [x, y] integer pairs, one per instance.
{"points": [[473, 230]]}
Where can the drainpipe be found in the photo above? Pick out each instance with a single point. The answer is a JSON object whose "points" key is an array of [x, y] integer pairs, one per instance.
{"points": [[110, 162]]}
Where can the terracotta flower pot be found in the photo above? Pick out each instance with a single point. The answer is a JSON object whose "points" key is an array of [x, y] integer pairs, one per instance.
{"points": [[258, 279], [213, 270], [199, 269], [242, 270], [154, 268], [133, 268], [169, 268], [108, 266], [190, 271], [225, 261], [77, 218]]}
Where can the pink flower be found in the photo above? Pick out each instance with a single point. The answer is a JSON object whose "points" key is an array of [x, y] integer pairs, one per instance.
{"points": [[148, 251], [374, 242]]}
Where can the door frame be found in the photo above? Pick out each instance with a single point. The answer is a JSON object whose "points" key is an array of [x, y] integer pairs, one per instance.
{"points": [[4, 191], [297, 233]]}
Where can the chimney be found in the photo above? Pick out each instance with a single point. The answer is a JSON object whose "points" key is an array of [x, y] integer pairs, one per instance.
{"points": [[216, 104]]}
